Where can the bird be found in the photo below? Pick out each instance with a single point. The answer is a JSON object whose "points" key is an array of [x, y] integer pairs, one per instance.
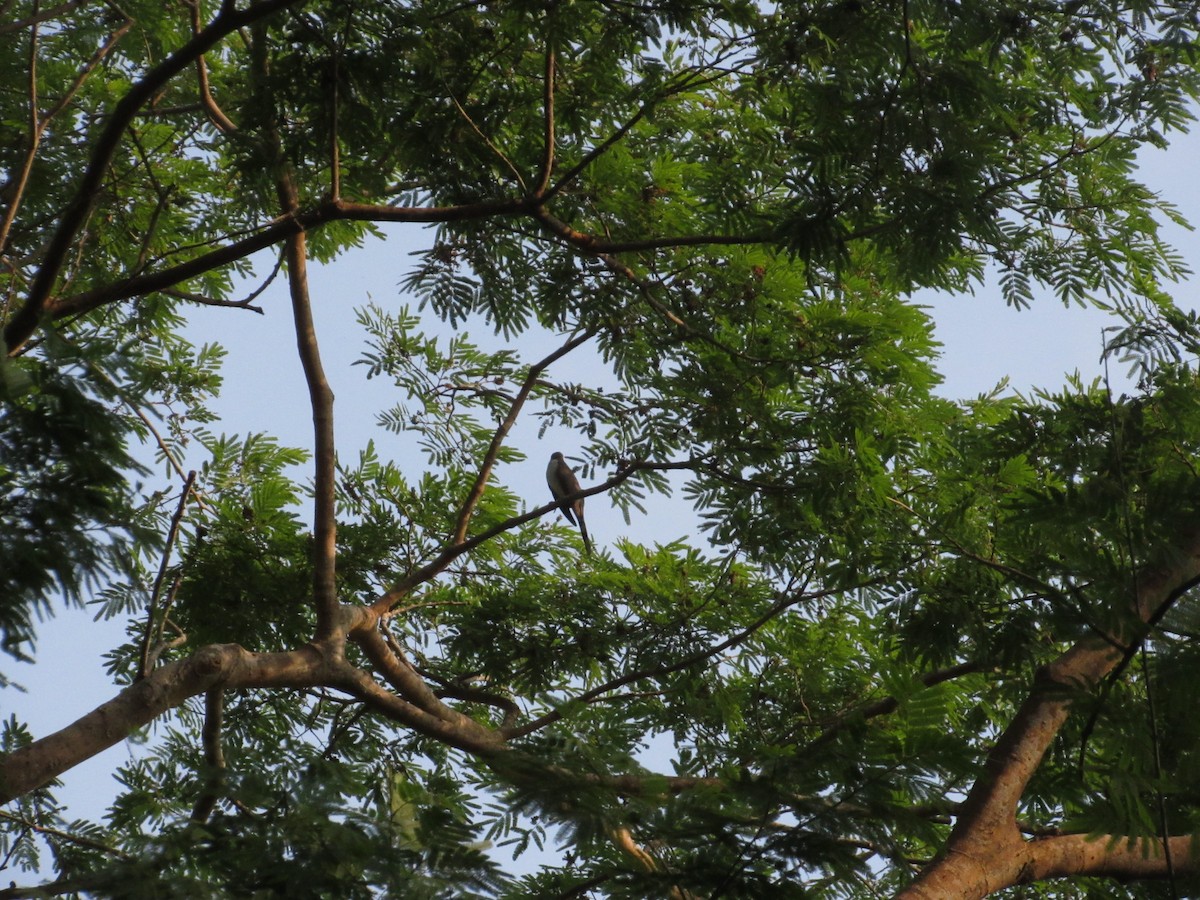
{"points": [[563, 484]]}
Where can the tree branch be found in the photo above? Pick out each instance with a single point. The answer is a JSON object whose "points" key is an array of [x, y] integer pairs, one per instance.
{"points": [[985, 850], [502, 430], [889, 704], [700, 656], [28, 317], [321, 400], [388, 662], [1111, 856], [156, 590], [216, 115], [548, 115], [451, 552], [214, 756], [277, 231], [163, 689], [464, 733]]}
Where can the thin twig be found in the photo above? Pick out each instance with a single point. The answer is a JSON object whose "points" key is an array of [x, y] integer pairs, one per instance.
{"points": [[700, 656], [491, 146], [548, 107], [39, 17], [64, 835], [383, 605], [164, 561]]}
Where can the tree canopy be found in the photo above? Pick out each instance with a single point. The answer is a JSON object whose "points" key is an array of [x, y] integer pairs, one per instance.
{"points": [[917, 646]]}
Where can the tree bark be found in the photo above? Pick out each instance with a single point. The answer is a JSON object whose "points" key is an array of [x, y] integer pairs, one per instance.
{"points": [[226, 665], [986, 851]]}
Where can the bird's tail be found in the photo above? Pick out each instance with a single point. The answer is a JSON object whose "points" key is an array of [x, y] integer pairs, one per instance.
{"points": [[587, 541]]}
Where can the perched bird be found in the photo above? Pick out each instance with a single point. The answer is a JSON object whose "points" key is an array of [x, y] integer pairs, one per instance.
{"points": [[563, 483]]}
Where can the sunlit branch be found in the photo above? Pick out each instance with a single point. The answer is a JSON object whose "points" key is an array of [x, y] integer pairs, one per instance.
{"points": [[622, 838], [38, 123], [604, 146], [986, 826], [335, 147], [19, 182], [463, 733], [164, 688], [488, 142], [321, 401], [387, 659]]}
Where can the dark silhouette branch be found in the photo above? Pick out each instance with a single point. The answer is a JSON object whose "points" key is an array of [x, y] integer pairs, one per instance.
{"points": [[271, 234], [26, 320], [888, 705], [164, 561], [697, 658], [214, 755]]}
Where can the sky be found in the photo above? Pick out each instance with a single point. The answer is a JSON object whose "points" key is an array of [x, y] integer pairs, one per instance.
{"points": [[984, 342]]}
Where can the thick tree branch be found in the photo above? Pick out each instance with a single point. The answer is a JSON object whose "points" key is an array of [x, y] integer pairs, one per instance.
{"points": [[1073, 855], [226, 665], [402, 676], [214, 755], [463, 733], [320, 395], [985, 851]]}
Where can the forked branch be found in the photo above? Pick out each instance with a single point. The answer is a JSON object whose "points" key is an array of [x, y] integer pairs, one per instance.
{"points": [[489, 458], [985, 851]]}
